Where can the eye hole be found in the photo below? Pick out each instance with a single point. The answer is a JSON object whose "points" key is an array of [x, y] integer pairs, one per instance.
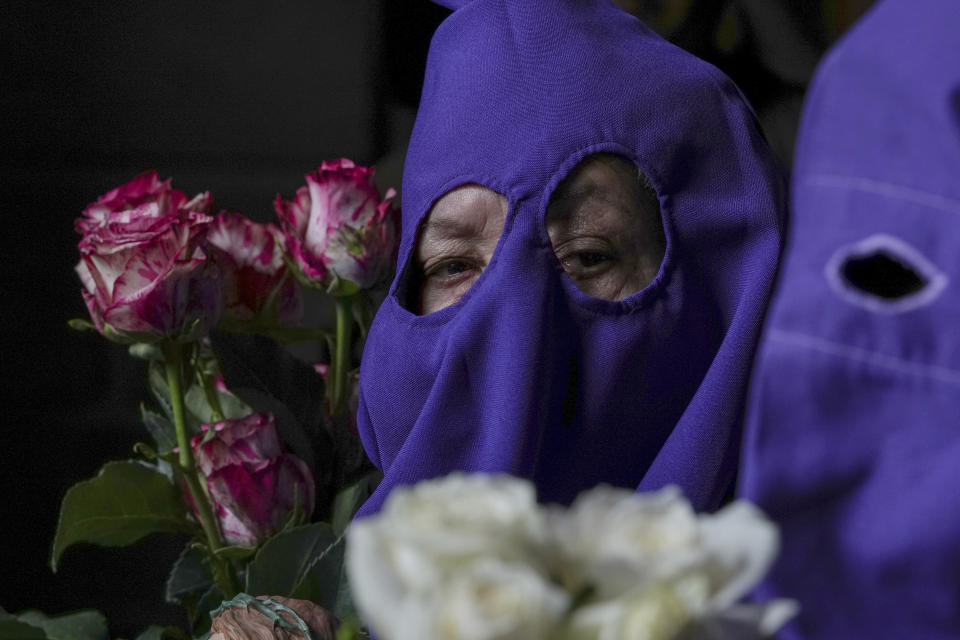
{"points": [[883, 275], [455, 243], [605, 227]]}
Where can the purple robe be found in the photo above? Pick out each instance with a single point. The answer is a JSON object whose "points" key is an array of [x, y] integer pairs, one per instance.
{"points": [[526, 374], [853, 436]]}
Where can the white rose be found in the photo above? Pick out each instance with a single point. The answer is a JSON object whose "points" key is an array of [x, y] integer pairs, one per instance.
{"points": [[751, 621], [427, 533], [652, 612], [618, 540], [446, 522], [739, 545], [495, 600], [676, 610], [653, 566]]}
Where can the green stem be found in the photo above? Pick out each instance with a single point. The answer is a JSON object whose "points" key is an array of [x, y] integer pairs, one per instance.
{"points": [[348, 629], [222, 572], [173, 357], [341, 355]]}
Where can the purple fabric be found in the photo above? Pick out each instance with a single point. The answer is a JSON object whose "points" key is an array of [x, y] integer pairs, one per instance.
{"points": [[526, 374], [853, 436], [451, 4]]}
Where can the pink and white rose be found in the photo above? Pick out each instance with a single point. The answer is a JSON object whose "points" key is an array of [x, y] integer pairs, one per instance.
{"points": [[143, 266], [256, 281], [253, 483], [146, 198], [338, 228]]}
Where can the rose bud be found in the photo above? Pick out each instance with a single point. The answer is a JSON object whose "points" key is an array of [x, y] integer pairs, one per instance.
{"points": [[254, 484], [144, 270], [338, 228], [256, 281]]}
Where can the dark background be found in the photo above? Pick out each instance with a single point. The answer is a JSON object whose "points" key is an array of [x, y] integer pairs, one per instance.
{"points": [[241, 98]]}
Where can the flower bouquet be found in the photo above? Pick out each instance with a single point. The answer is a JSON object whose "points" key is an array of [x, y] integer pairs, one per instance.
{"points": [[475, 557], [252, 453]]}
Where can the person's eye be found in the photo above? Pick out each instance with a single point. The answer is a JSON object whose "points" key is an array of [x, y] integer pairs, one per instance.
{"points": [[591, 259], [450, 271], [585, 262]]}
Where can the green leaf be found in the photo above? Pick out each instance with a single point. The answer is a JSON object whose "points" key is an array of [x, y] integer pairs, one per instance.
{"points": [[346, 503], [81, 625], [145, 450], [342, 288], [146, 351], [163, 466], [79, 324], [128, 337], [190, 332], [13, 629], [233, 407], [195, 400], [284, 560], [324, 577], [201, 608], [235, 552], [123, 503], [161, 430], [345, 607], [157, 381], [188, 577], [349, 629]]}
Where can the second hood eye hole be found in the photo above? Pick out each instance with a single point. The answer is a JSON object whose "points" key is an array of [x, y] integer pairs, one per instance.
{"points": [[882, 274]]}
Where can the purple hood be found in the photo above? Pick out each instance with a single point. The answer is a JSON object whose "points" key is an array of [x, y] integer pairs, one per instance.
{"points": [[853, 437], [526, 374]]}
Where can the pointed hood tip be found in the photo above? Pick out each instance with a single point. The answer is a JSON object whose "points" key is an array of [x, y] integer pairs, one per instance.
{"points": [[453, 5]]}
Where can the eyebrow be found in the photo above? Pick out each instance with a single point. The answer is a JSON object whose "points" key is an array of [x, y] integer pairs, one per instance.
{"points": [[580, 193], [572, 200], [449, 228]]}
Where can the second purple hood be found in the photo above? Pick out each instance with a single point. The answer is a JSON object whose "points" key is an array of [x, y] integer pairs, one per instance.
{"points": [[853, 438]]}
